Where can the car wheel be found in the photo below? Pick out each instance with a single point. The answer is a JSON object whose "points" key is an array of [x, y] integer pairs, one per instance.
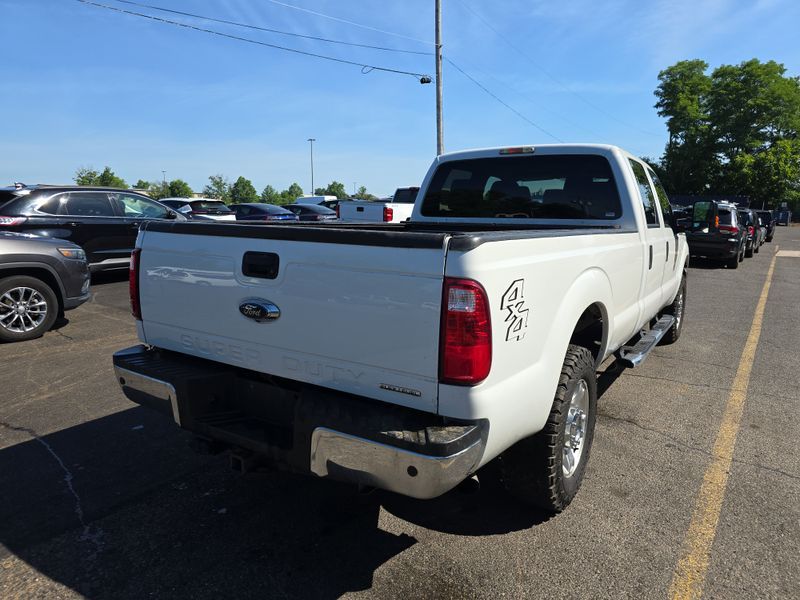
{"points": [[748, 251], [28, 308], [546, 469], [733, 263], [756, 248]]}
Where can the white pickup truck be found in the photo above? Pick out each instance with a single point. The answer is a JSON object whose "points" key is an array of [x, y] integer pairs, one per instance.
{"points": [[407, 356], [396, 210]]}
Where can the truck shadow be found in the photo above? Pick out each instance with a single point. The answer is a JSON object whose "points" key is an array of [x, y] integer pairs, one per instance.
{"points": [[119, 507], [149, 517]]}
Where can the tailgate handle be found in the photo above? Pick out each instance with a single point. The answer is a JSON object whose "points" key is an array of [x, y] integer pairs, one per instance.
{"points": [[263, 265]]}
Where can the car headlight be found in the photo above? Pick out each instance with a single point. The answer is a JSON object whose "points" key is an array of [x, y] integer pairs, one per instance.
{"points": [[75, 253]]}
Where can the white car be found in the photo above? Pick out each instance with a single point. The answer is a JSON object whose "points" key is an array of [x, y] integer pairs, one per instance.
{"points": [[201, 208], [407, 356]]}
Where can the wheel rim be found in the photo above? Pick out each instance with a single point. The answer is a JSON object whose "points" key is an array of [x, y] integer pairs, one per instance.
{"points": [[575, 432], [679, 307], [22, 309]]}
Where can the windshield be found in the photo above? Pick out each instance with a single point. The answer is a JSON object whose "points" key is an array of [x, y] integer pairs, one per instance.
{"points": [[579, 186]]}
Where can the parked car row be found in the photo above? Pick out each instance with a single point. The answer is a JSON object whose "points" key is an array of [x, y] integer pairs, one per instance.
{"points": [[721, 230]]}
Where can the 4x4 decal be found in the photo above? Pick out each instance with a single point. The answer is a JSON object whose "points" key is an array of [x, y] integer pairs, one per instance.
{"points": [[513, 301]]}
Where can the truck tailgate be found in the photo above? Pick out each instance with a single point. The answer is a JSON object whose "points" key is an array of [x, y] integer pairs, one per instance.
{"points": [[356, 318]]}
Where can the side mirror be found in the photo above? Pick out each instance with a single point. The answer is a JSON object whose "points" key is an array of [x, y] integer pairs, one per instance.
{"points": [[679, 225], [171, 214]]}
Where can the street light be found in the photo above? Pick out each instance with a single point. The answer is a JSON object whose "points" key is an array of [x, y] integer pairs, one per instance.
{"points": [[311, 141], [164, 178]]}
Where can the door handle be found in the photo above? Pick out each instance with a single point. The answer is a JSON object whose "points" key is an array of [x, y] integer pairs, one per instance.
{"points": [[651, 257], [667, 257]]}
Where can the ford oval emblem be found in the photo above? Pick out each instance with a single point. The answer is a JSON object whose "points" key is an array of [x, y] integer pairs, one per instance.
{"points": [[259, 310]]}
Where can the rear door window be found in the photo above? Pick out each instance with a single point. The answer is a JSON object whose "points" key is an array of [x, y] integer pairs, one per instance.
{"points": [[726, 217], [88, 204], [579, 186]]}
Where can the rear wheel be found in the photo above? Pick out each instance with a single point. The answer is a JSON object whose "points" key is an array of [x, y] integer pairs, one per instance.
{"points": [[546, 469], [677, 309], [733, 263], [748, 251], [28, 308], [756, 247]]}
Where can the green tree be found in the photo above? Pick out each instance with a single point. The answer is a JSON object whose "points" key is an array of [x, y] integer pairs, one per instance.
{"points": [[363, 194], [141, 185], [107, 178], [86, 176], [291, 194], [335, 188], [270, 195], [178, 188], [243, 191], [218, 187], [158, 190], [732, 132]]}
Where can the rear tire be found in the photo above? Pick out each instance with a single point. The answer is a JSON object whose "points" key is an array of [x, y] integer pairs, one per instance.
{"points": [[28, 308], [546, 469], [756, 248], [733, 263], [748, 252], [677, 309]]}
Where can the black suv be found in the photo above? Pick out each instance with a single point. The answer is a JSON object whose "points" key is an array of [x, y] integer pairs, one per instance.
{"points": [[715, 231], [769, 222], [102, 221]]}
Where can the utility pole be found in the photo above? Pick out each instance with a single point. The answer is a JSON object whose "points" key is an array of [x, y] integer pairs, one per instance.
{"points": [[164, 178], [439, 125], [311, 141]]}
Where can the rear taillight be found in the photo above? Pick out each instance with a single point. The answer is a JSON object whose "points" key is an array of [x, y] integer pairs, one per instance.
{"points": [[133, 284], [12, 221], [388, 214], [465, 344], [337, 211], [729, 228], [750, 230], [716, 221]]}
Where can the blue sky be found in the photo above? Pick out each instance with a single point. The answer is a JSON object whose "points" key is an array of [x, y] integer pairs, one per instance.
{"points": [[84, 86]]}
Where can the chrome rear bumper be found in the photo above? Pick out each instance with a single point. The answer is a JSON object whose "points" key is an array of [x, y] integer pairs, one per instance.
{"points": [[305, 428], [350, 458]]}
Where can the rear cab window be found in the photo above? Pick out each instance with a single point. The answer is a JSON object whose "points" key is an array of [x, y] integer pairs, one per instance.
{"points": [[563, 186], [406, 195]]}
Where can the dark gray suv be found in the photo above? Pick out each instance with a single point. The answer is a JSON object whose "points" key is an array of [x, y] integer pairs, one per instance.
{"points": [[40, 278]]}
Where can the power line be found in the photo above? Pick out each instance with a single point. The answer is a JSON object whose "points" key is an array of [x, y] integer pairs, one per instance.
{"points": [[529, 99], [553, 77], [319, 14], [508, 106], [270, 30], [365, 68]]}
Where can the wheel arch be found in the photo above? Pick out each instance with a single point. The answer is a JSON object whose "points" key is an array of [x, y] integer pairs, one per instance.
{"points": [[38, 271]]}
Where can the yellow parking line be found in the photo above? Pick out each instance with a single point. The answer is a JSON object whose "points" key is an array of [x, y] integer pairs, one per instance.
{"points": [[690, 572]]}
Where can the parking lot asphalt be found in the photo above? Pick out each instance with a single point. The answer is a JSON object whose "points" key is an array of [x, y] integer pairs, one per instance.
{"points": [[102, 499]]}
